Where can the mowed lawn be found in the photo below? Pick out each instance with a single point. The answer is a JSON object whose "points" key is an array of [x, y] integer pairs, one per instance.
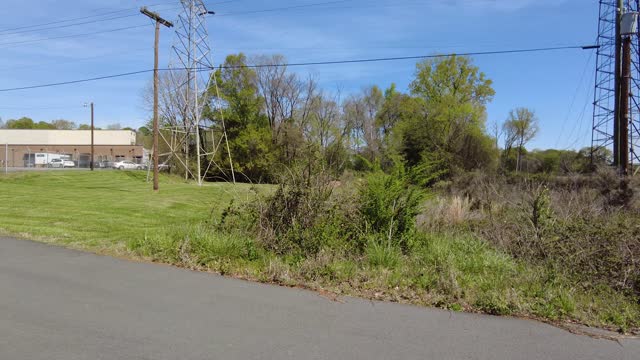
{"points": [[103, 210]]}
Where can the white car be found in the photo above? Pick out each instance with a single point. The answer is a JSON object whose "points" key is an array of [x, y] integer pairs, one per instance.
{"points": [[127, 165], [60, 163]]}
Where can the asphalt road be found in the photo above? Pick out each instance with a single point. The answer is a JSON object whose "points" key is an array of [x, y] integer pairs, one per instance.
{"points": [[62, 304]]}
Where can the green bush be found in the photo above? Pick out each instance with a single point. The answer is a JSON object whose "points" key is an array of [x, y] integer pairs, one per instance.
{"points": [[388, 208], [305, 215]]}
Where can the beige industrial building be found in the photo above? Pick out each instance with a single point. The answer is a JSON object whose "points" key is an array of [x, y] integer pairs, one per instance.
{"points": [[21, 148]]}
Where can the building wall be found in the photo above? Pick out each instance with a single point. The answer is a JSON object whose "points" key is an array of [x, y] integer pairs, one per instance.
{"points": [[18, 154], [67, 137]]}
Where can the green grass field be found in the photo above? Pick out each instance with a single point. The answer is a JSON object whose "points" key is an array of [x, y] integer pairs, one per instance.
{"points": [[103, 210]]}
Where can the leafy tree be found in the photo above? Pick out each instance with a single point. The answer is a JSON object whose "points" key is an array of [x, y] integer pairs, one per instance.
{"points": [[520, 128], [409, 115], [114, 126], [452, 80], [247, 128], [43, 125], [389, 114], [84, 127], [447, 116], [22, 123], [144, 131]]}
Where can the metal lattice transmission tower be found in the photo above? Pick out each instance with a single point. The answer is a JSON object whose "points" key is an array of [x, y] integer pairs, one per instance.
{"points": [[192, 140], [604, 113]]}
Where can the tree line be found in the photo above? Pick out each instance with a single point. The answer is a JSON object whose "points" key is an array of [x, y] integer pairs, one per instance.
{"points": [[60, 124], [277, 119]]}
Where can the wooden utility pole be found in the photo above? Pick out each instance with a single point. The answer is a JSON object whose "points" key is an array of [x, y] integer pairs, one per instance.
{"points": [[617, 78], [92, 142], [625, 93], [156, 131]]}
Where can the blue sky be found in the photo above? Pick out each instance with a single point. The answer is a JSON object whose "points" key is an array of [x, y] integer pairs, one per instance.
{"points": [[557, 85]]}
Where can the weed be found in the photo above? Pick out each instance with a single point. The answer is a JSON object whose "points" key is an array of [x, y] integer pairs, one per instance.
{"points": [[380, 255]]}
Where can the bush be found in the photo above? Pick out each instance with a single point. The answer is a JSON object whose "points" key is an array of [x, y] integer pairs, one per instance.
{"points": [[289, 219], [388, 208], [586, 228], [305, 215]]}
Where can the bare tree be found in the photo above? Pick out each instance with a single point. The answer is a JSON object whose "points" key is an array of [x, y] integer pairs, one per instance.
{"points": [[172, 104], [281, 91], [361, 112], [324, 120], [114, 126], [497, 131], [62, 124], [520, 128]]}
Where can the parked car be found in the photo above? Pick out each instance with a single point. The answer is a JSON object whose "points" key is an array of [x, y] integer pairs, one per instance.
{"points": [[127, 165], [103, 164], [60, 163]]}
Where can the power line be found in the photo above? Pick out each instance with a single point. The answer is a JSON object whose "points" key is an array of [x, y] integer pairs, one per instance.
{"points": [[9, 44], [6, 32], [129, 52], [482, 53], [354, 6], [77, 18], [573, 100], [70, 25], [286, 8], [417, 57], [79, 81], [40, 108], [577, 129]]}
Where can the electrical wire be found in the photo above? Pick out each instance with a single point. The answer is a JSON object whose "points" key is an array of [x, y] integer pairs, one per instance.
{"points": [[40, 27], [40, 108], [78, 81], [573, 100], [292, 7], [3, 31], [417, 57], [70, 25], [577, 129], [482, 53], [49, 65], [11, 44]]}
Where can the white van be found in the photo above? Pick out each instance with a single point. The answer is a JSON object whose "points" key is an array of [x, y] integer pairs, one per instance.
{"points": [[43, 159]]}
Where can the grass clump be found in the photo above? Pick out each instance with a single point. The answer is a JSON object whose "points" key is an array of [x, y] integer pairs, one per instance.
{"points": [[197, 246], [381, 255]]}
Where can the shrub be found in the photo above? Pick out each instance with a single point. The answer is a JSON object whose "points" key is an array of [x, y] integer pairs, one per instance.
{"points": [[616, 191], [388, 207], [585, 228], [305, 215], [289, 218]]}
